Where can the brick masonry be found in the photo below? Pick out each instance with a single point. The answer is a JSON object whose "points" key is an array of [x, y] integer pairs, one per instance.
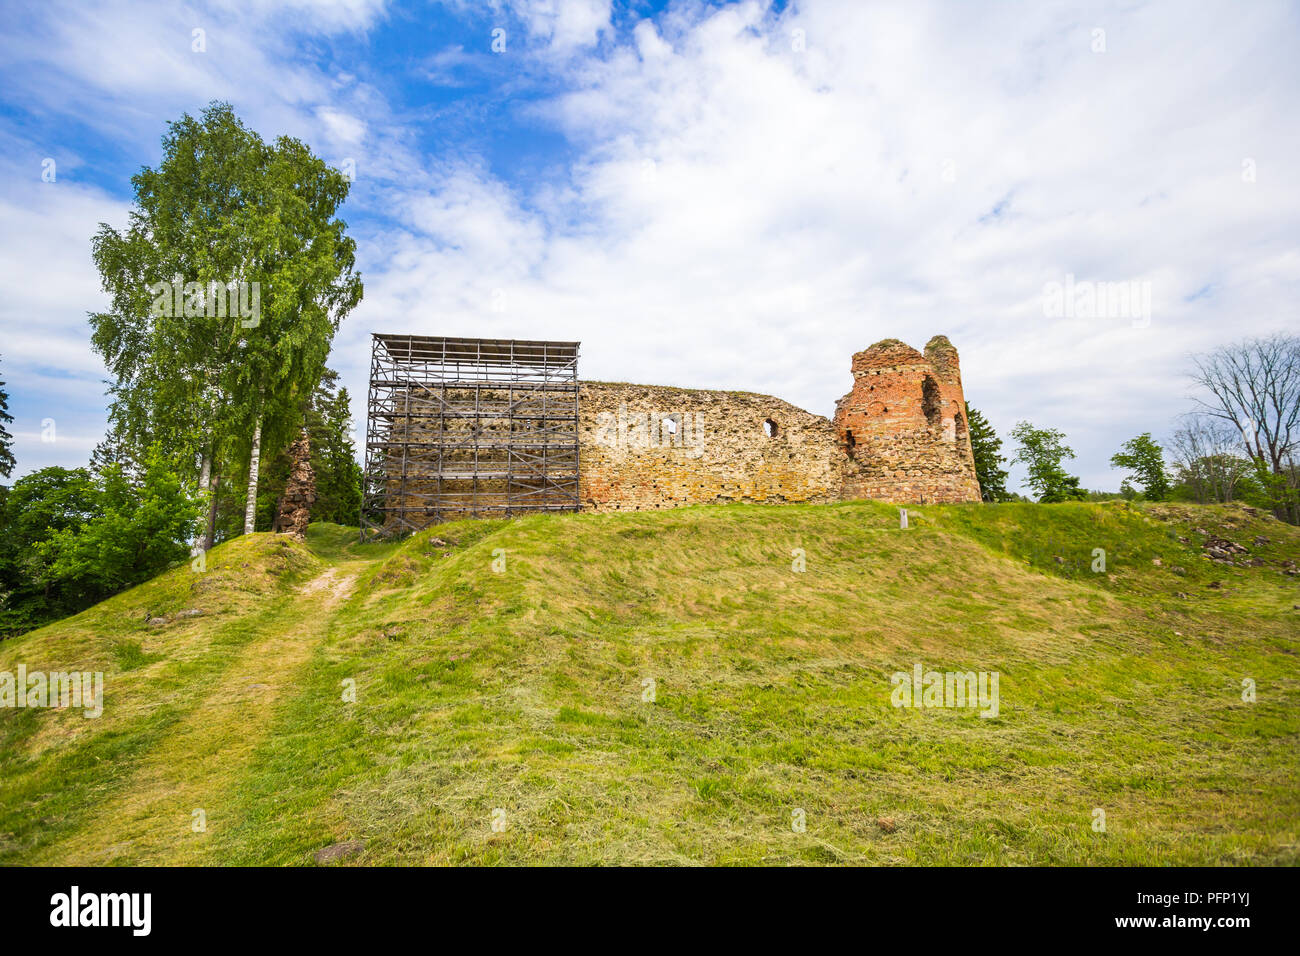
{"points": [[898, 435], [903, 425], [647, 447]]}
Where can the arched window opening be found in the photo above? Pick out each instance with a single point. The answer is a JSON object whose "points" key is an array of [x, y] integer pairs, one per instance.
{"points": [[850, 443], [769, 428], [930, 401], [961, 427]]}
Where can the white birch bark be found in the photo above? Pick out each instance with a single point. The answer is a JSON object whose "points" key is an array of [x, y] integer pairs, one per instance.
{"points": [[250, 509]]}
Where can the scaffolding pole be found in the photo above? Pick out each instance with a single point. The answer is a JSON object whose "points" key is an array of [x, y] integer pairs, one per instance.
{"points": [[460, 427]]}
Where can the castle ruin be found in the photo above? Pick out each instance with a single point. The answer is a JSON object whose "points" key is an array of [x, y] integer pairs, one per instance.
{"points": [[481, 427]]}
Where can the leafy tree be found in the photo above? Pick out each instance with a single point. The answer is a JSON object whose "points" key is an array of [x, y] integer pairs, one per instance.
{"points": [[70, 538], [1217, 479], [338, 476], [116, 449], [136, 532], [1125, 493], [7, 462], [328, 421], [1146, 459], [38, 506], [1208, 464], [987, 447], [1041, 451], [226, 288]]}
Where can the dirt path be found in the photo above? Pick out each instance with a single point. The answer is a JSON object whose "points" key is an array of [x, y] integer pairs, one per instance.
{"points": [[153, 820]]}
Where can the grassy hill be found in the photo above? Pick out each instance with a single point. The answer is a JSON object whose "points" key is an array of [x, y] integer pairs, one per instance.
{"points": [[521, 690]]}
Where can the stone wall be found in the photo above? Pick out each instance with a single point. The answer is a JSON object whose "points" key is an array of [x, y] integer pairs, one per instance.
{"points": [[899, 435], [903, 425], [647, 447], [293, 511], [471, 452]]}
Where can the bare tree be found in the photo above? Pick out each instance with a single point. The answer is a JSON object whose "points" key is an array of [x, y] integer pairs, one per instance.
{"points": [[1207, 456], [1254, 386]]}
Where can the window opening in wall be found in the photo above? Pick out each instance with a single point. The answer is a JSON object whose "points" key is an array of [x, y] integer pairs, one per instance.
{"points": [[930, 400], [769, 428], [668, 435], [850, 442], [960, 423]]}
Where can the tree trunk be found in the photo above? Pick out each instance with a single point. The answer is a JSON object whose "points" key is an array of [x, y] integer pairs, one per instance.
{"points": [[250, 509], [212, 513], [205, 490]]}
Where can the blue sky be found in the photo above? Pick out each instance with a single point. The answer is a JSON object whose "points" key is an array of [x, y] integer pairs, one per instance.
{"points": [[717, 195]]}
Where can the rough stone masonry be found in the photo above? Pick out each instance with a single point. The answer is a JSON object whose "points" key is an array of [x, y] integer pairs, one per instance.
{"points": [[294, 508], [899, 435]]}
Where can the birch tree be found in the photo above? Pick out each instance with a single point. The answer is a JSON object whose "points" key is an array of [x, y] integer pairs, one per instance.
{"points": [[226, 288]]}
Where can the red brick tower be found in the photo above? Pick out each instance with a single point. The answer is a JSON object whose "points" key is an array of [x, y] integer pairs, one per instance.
{"points": [[903, 426]]}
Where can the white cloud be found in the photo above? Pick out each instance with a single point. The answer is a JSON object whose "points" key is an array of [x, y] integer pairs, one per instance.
{"points": [[567, 24], [749, 205], [747, 215], [342, 129], [555, 27], [126, 67], [318, 16], [45, 270]]}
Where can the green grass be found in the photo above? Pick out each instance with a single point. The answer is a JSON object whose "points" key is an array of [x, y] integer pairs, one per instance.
{"points": [[523, 691]]}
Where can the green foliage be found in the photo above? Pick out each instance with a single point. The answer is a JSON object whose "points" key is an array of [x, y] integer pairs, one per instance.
{"points": [[1125, 493], [71, 539], [338, 476], [328, 420], [1145, 458], [136, 532], [6, 440], [38, 506], [1279, 491], [223, 207], [115, 449], [987, 447], [1216, 479], [1041, 451]]}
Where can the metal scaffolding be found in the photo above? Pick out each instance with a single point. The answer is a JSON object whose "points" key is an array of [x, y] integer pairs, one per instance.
{"points": [[468, 427]]}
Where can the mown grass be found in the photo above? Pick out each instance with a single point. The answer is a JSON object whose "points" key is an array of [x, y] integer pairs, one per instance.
{"points": [[524, 690], [57, 766]]}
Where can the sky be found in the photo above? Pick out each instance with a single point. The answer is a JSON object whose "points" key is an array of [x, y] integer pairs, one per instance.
{"points": [[733, 196]]}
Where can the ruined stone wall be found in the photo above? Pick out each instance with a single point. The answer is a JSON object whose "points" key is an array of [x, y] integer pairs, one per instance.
{"points": [[903, 426], [422, 428], [647, 447], [899, 435], [293, 511], [472, 452]]}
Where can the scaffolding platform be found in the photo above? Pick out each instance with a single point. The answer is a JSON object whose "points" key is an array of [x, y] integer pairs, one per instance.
{"points": [[460, 427]]}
